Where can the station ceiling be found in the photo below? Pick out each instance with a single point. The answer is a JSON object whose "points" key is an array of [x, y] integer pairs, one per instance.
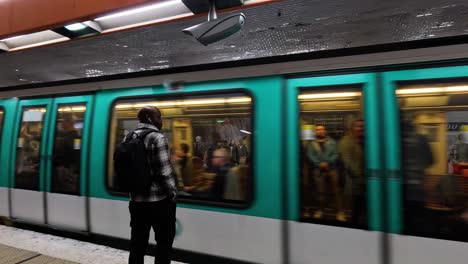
{"points": [[277, 30]]}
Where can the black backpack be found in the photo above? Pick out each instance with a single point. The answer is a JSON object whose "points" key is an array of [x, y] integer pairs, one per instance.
{"points": [[131, 165]]}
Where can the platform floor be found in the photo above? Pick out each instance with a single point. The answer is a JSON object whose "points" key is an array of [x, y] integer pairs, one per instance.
{"points": [[11, 255], [28, 247]]}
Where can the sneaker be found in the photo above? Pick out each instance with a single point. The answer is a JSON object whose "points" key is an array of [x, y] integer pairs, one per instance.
{"points": [[340, 216], [318, 214]]}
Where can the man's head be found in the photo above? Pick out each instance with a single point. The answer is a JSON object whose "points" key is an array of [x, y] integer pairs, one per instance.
{"points": [[358, 129], [68, 122], [220, 157], [198, 139], [150, 115], [320, 131]]}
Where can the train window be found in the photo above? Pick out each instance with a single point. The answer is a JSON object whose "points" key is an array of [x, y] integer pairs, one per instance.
{"points": [[67, 149], [28, 148], [434, 149], [332, 181], [210, 141]]}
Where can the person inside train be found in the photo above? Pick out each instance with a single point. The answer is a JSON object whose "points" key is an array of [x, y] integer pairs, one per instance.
{"points": [[322, 155], [199, 148], [222, 166], [416, 158], [351, 153], [175, 162], [66, 157], [200, 184], [185, 164], [233, 151], [242, 152]]}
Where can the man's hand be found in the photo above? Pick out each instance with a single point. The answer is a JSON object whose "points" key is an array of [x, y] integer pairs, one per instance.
{"points": [[173, 196], [324, 166]]}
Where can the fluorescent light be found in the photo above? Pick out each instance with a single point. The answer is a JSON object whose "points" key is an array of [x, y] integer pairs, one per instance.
{"points": [[41, 43], [144, 23], [76, 26], [12, 38], [34, 39], [239, 100], [457, 88], [245, 132], [420, 90], [186, 102], [139, 10], [432, 90], [72, 109], [328, 95]]}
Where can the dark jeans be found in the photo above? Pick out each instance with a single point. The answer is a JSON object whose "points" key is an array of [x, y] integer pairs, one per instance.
{"points": [[159, 215]]}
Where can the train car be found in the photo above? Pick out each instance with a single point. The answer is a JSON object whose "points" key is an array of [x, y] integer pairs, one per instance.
{"points": [[399, 190]]}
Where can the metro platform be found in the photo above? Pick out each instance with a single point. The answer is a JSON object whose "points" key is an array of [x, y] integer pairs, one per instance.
{"points": [[11, 255], [29, 247]]}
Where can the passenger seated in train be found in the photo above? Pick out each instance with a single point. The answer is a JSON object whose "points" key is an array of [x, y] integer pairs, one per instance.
{"points": [[322, 155], [175, 162], [221, 166]]}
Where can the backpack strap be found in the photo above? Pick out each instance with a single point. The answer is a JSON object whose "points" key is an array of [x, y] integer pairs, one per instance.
{"points": [[144, 132]]}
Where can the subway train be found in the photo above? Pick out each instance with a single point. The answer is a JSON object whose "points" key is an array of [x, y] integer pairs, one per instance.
{"points": [[397, 194]]}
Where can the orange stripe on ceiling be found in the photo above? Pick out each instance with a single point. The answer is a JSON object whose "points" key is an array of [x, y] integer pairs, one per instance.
{"points": [[22, 16]]}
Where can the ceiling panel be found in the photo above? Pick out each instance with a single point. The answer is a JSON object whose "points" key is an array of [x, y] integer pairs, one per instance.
{"points": [[282, 28]]}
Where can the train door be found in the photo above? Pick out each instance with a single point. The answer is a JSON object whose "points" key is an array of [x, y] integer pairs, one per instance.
{"points": [[334, 186], [66, 169], [7, 112], [50, 165], [4, 211], [29, 161], [426, 159]]}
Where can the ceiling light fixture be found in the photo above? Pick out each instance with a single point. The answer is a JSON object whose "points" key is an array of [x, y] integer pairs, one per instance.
{"points": [[78, 30], [76, 26], [139, 10]]}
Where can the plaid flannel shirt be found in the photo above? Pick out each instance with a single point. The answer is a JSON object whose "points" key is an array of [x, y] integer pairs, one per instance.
{"points": [[158, 150]]}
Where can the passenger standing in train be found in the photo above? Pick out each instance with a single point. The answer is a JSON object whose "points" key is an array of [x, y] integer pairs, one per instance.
{"points": [[351, 152], [322, 156], [234, 152], [199, 148], [221, 167], [66, 157], [242, 152], [185, 164], [416, 158], [158, 209]]}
